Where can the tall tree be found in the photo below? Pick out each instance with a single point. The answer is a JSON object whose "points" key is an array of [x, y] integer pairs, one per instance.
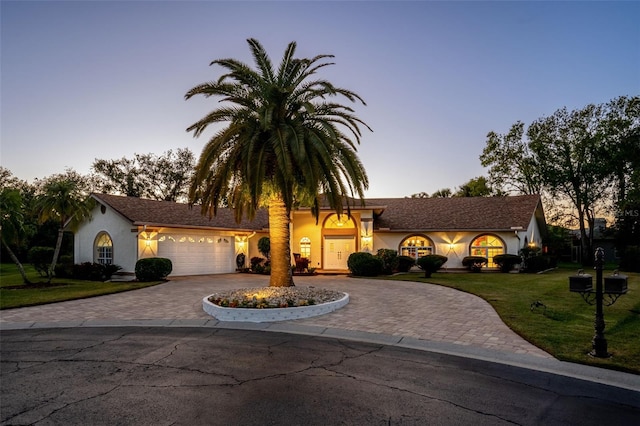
{"points": [[476, 187], [165, 177], [12, 224], [565, 145], [284, 142], [512, 166], [64, 200]]}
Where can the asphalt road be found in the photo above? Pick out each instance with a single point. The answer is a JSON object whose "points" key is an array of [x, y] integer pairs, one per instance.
{"points": [[199, 376]]}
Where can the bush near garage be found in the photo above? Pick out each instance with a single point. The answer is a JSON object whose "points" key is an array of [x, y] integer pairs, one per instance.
{"points": [[364, 264], [153, 268]]}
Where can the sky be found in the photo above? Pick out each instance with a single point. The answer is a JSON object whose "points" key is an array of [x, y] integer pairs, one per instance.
{"points": [[88, 80]]}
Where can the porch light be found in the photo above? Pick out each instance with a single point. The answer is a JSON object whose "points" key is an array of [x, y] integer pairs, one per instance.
{"points": [[148, 242]]}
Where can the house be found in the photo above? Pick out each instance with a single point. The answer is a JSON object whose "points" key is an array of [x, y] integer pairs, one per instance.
{"points": [[122, 230]]}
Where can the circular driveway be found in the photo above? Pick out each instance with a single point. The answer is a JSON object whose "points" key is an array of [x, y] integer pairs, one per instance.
{"points": [[391, 308]]}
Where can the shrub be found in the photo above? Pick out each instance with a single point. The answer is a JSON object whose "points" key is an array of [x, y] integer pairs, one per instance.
{"points": [[474, 263], [256, 261], [431, 263], [405, 263], [389, 260], [364, 264], [506, 262], [630, 259], [41, 258], [153, 268], [539, 263], [264, 246], [64, 267]]}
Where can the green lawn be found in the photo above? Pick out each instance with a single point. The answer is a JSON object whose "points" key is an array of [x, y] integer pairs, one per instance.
{"points": [[564, 327], [13, 294]]}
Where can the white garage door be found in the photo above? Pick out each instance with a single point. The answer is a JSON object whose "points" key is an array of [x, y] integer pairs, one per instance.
{"points": [[193, 254]]}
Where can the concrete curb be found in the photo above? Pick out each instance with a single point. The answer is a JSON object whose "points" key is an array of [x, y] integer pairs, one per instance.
{"points": [[552, 366]]}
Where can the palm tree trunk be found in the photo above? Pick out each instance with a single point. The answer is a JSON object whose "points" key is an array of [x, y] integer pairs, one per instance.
{"points": [[56, 254], [279, 236], [13, 257]]}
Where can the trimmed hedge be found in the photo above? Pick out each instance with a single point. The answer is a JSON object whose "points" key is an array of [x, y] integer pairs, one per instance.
{"points": [[405, 263], [540, 263], [364, 264], [153, 268], [431, 263], [506, 262], [474, 263]]}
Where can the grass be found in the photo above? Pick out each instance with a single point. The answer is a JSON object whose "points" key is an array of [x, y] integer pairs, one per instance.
{"points": [[564, 326], [13, 294]]}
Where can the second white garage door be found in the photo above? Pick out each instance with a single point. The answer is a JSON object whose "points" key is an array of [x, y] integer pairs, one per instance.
{"points": [[197, 254]]}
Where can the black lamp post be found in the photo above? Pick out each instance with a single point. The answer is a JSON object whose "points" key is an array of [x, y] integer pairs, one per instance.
{"points": [[613, 286], [599, 342]]}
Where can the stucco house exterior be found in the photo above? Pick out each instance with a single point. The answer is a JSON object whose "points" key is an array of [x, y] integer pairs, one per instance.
{"points": [[122, 230]]}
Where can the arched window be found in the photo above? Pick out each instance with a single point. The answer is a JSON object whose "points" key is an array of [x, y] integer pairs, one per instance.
{"points": [[103, 249], [487, 246], [416, 246], [305, 247], [339, 222]]}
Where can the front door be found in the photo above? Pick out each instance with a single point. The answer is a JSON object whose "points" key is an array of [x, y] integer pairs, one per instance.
{"points": [[337, 250]]}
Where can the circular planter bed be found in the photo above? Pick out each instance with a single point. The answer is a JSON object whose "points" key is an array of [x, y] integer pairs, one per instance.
{"points": [[268, 304]]}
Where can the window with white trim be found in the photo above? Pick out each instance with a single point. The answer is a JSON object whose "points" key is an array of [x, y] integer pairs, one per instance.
{"points": [[104, 249], [305, 247], [416, 246], [487, 246]]}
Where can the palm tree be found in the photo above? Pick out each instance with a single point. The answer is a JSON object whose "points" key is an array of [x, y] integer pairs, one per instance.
{"points": [[63, 201], [12, 224], [284, 144]]}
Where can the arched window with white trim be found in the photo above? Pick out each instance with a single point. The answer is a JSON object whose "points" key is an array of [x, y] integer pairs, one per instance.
{"points": [[305, 247], [488, 246], [103, 251], [416, 246]]}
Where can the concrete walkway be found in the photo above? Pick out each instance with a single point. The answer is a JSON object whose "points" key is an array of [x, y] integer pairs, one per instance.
{"points": [[407, 314]]}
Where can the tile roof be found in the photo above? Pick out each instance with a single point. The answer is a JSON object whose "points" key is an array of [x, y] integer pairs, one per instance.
{"points": [[396, 214], [166, 213], [460, 213]]}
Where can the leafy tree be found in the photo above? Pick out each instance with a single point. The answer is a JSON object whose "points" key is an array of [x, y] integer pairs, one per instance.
{"points": [[12, 224], [64, 200], [284, 143], [118, 176], [620, 144], [476, 187], [419, 195], [566, 145], [442, 193], [165, 177], [512, 166]]}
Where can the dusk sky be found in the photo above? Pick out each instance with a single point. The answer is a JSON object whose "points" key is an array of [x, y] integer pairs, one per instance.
{"points": [[87, 80]]}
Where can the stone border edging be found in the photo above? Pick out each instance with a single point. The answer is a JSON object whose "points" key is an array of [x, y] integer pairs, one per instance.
{"points": [[271, 314]]}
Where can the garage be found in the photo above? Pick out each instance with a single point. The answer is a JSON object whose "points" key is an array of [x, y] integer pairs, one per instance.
{"points": [[195, 253]]}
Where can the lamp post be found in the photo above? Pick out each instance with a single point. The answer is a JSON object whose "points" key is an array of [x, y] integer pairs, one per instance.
{"points": [[613, 286], [599, 343]]}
